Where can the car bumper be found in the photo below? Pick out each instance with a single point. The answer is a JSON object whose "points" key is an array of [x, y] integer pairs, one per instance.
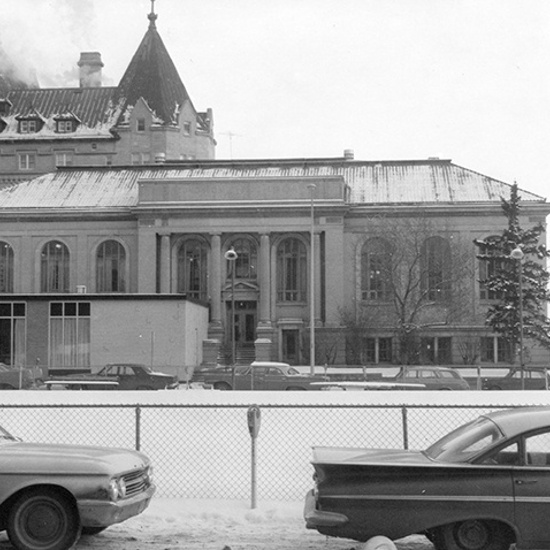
{"points": [[102, 513], [317, 518]]}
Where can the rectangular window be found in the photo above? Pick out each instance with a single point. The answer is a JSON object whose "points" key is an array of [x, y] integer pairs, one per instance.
{"points": [[436, 350], [495, 349], [13, 338], [140, 125], [64, 126], [378, 350], [141, 158], [186, 128], [28, 126], [69, 341], [64, 158], [27, 161]]}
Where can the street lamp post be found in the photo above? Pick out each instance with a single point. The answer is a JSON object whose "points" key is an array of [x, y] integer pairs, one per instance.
{"points": [[517, 254], [232, 256], [312, 188]]}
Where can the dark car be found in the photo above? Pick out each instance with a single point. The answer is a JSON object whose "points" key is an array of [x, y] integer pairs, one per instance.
{"points": [[117, 376], [533, 379], [50, 494], [260, 375], [484, 486], [433, 378]]}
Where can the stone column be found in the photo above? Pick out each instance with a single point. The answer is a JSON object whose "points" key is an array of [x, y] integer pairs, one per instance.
{"points": [[215, 281], [165, 273], [265, 282], [317, 275]]}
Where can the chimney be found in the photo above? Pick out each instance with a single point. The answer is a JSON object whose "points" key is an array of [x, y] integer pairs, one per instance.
{"points": [[90, 69], [348, 154]]}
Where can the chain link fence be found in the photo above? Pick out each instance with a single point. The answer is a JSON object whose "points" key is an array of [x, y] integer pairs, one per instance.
{"points": [[204, 451]]}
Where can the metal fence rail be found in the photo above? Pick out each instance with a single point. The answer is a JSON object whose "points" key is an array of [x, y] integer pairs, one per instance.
{"points": [[204, 451]]}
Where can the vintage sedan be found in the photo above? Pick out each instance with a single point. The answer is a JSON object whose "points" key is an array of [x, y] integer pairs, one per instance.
{"points": [[259, 376], [484, 486], [116, 376], [533, 379], [432, 377], [50, 494]]}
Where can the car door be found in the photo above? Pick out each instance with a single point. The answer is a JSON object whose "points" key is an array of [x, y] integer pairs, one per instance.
{"points": [[532, 489], [126, 378]]}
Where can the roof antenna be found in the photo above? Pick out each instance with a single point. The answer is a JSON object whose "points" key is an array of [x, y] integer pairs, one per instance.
{"points": [[152, 16]]}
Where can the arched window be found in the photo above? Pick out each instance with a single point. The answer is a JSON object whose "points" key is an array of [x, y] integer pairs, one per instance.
{"points": [[6, 267], [436, 269], [291, 271], [55, 267], [192, 269], [247, 259], [111, 267], [376, 276], [488, 267]]}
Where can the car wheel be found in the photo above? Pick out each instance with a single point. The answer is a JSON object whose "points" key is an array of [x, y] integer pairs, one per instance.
{"points": [[43, 519], [90, 531], [224, 386], [494, 388], [6, 387], [474, 535]]}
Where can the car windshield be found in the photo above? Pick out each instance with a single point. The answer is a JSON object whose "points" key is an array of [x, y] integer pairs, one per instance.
{"points": [[465, 442], [6, 436]]}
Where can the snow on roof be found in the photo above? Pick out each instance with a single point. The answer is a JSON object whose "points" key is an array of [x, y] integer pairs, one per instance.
{"points": [[369, 182]]}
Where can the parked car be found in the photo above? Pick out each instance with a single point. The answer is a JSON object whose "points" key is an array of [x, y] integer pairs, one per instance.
{"points": [[260, 375], [533, 379], [12, 378], [484, 486], [50, 494], [117, 376], [433, 378]]}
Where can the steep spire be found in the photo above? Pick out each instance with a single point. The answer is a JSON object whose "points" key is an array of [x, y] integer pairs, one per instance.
{"points": [[152, 75]]}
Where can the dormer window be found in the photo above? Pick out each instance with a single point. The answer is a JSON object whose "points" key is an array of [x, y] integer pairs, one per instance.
{"points": [[64, 126], [140, 125], [66, 123], [186, 128], [29, 126], [3, 125]]}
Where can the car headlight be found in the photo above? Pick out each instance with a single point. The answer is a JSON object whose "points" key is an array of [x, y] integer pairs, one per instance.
{"points": [[149, 475], [113, 490], [121, 485]]}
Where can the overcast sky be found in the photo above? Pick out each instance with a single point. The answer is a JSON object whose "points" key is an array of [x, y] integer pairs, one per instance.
{"points": [[467, 80]]}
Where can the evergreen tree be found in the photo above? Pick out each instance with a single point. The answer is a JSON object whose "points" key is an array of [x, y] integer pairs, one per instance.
{"points": [[502, 281]]}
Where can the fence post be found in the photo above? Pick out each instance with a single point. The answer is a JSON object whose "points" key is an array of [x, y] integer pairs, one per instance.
{"points": [[138, 428], [405, 428]]}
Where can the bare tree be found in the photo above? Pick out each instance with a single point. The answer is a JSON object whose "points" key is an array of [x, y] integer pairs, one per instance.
{"points": [[415, 274]]}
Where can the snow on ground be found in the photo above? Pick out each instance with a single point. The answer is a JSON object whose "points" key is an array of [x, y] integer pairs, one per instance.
{"points": [[215, 524], [170, 524]]}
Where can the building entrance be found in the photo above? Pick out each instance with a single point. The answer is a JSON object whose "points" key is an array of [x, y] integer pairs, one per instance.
{"points": [[244, 318]]}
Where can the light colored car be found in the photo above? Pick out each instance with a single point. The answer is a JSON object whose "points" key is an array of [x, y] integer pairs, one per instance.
{"points": [[50, 494], [483, 486], [432, 377]]}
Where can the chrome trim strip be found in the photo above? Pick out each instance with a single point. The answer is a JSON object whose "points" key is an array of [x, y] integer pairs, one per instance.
{"points": [[466, 498]]}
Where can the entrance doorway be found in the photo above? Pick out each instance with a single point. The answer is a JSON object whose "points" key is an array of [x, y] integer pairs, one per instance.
{"points": [[245, 323]]}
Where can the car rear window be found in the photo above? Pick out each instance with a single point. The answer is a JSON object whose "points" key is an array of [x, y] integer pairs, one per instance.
{"points": [[465, 442]]}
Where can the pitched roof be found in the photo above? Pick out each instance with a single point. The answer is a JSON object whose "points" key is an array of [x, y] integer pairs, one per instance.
{"points": [[394, 183], [153, 76], [93, 107]]}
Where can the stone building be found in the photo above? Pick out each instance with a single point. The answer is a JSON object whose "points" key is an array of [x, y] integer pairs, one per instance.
{"points": [[149, 116], [116, 225], [113, 234]]}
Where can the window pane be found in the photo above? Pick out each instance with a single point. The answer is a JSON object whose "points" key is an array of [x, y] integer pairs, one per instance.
{"points": [[192, 269], [291, 271], [111, 267], [55, 267]]}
